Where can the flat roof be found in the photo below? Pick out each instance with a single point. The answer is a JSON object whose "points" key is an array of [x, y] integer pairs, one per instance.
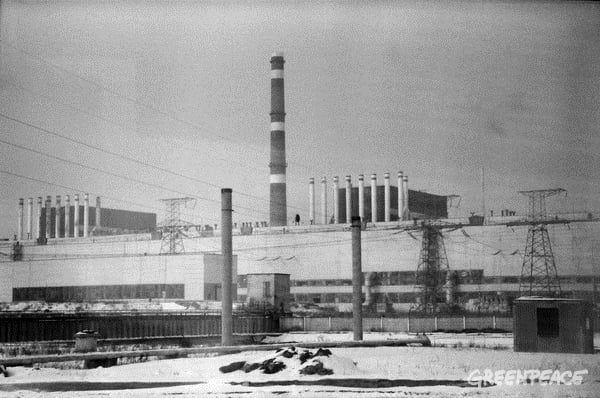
{"points": [[540, 298], [266, 273]]}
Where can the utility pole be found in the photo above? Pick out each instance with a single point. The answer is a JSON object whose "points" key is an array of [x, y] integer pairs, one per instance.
{"points": [[538, 274], [226, 275], [357, 326]]}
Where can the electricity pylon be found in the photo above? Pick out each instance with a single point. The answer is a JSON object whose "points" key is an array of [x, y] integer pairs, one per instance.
{"points": [[173, 227], [538, 275], [432, 269]]}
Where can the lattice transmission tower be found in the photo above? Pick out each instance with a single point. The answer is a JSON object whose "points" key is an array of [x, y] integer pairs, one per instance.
{"points": [[173, 227], [539, 276], [432, 270]]}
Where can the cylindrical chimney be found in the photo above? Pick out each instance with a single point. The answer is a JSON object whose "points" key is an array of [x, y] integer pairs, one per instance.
{"points": [[357, 276], [227, 270], [406, 209], [324, 200], [386, 196], [48, 216], [336, 201], [278, 211], [29, 218], [361, 196], [39, 218], [311, 199], [57, 217], [86, 214], [348, 199], [76, 215], [20, 220], [400, 196], [98, 214], [67, 216], [374, 198]]}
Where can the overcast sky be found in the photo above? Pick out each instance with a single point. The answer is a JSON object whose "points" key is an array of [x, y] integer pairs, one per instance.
{"points": [[435, 89]]}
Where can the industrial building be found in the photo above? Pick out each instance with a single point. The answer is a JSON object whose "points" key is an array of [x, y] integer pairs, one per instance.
{"points": [[487, 261], [77, 220], [59, 260]]}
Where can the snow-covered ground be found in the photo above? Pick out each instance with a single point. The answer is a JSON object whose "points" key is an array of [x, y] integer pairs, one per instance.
{"points": [[473, 340], [393, 363]]}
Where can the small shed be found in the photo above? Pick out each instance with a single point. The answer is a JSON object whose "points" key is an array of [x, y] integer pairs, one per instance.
{"points": [[544, 324], [269, 289]]}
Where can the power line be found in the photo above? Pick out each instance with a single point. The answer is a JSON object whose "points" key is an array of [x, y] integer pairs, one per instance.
{"points": [[77, 190], [102, 171], [118, 94], [145, 164], [118, 175], [124, 128]]}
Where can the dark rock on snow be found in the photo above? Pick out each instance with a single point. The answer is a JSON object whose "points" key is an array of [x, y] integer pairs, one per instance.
{"points": [[232, 367]]}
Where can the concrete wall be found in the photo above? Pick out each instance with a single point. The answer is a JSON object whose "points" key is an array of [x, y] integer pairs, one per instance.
{"points": [[181, 269]]}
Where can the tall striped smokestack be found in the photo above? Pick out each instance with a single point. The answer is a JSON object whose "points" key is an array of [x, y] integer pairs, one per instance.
{"points": [[278, 213]]}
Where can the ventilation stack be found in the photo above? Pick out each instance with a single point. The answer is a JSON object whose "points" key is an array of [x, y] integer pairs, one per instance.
{"points": [[48, 216], [311, 200], [57, 217], [30, 218], [76, 216], [67, 216], [386, 196], [336, 203], [98, 212], [38, 233], [405, 209], [348, 199], [324, 200], [86, 215], [374, 198], [20, 224], [401, 196], [361, 197]]}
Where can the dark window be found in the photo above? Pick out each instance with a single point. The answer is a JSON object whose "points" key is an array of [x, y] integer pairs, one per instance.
{"points": [[266, 289], [547, 322]]}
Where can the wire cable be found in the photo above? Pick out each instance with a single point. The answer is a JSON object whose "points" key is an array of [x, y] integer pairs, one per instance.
{"points": [[118, 94], [145, 164], [94, 193]]}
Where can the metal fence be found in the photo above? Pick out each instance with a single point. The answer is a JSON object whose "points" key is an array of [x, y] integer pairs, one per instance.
{"points": [[63, 326], [412, 324]]}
